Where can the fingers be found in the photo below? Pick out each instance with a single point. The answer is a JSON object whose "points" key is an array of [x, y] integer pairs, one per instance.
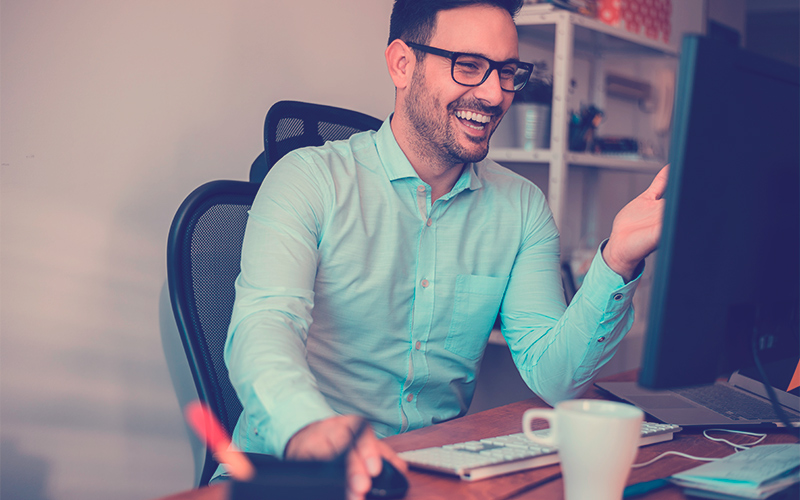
{"points": [[325, 439], [389, 454], [365, 461]]}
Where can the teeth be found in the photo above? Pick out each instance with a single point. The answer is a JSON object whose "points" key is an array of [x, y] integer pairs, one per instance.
{"points": [[469, 115]]}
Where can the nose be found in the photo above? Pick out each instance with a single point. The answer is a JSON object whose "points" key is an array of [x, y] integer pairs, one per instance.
{"points": [[490, 90]]}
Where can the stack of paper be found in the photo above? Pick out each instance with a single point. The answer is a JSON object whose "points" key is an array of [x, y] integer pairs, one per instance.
{"points": [[756, 473]]}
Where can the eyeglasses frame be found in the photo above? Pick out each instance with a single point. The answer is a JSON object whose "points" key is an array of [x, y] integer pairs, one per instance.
{"points": [[493, 65]]}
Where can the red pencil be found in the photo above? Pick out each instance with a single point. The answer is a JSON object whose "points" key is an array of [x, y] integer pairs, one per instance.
{"points": [[206, 425]]}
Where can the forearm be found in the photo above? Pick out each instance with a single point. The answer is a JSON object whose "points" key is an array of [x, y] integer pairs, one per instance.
{"points": [[560, 353], [265, 354]]}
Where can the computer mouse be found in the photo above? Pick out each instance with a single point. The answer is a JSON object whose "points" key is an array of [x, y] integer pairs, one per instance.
{"points": [[390, 483]]}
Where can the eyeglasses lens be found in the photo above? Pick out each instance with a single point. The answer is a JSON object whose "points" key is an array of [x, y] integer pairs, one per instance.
{"points": [[473, 70]]}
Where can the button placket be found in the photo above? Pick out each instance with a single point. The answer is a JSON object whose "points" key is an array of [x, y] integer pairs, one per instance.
{"points": [[422, 200], [422, 310]]}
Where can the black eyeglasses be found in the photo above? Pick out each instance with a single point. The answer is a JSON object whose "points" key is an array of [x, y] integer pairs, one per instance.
{"points": [[472, 70]]}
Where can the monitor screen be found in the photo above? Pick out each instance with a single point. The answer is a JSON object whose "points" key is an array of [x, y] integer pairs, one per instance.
{"points": [[727, 271]]}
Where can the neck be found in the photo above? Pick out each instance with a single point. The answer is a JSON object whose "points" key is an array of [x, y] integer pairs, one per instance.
{"points": [[442, 182], [433, 166]]}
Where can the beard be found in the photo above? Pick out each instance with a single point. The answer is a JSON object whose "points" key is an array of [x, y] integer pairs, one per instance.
{"points": [[433, 125]]}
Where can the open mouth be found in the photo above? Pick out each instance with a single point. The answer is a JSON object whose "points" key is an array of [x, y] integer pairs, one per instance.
{"points": [[476, 121]]}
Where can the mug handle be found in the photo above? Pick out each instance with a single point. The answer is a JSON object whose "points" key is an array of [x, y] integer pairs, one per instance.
{"points": [[544, 414]]}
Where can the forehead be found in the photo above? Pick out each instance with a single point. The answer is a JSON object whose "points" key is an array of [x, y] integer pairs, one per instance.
{"points": [[479, 29]]}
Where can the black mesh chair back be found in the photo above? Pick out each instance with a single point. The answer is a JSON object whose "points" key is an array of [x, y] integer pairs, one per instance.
{"points": [[291, 124], [203, 260]]}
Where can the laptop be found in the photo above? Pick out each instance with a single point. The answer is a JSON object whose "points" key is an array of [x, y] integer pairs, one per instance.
{"points": [[741, 401]]}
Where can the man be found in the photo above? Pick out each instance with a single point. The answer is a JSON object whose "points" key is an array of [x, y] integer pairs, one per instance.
{"points": [[373, 269]]}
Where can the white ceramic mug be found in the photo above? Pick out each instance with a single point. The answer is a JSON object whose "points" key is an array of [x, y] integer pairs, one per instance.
{"points": [[597, 442]]}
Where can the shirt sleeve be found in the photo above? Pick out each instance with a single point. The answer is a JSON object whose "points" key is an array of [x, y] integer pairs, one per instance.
{"points": [[559, 350], [266, 347]]}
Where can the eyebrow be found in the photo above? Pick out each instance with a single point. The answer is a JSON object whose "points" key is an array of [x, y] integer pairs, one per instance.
{"points": [[504, 61], [510, 60]]}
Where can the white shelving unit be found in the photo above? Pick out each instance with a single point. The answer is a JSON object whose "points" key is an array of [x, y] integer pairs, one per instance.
{"points": [[569, 35]]}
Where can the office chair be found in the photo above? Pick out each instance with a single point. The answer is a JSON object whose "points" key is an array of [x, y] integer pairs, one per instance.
{"points": [[291, 124], [205, 245], [203, 260]]}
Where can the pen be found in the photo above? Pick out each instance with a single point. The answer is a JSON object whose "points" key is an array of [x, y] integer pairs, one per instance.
{"points": [[208, 428]]}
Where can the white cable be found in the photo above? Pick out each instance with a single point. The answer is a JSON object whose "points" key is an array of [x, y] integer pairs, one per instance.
{"points": [[737, 447], [684, 455]]}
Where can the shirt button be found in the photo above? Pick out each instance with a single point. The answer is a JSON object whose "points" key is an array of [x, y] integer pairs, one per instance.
{"points": [[418, 345], [618, 296], [601, 339], [421, 189], [410, 398], [425, 283], [430, 222]]}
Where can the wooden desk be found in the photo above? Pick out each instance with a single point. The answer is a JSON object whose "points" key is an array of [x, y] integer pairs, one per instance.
{"points": [[507, 420]]}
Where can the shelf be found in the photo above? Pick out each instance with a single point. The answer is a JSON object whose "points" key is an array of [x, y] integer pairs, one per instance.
{"points": [[612, 162], [591, 35], [572, 36], [517, 155]]}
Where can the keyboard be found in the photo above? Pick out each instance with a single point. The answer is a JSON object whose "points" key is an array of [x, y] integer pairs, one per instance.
{"points": [[729, 402], [474, 460]]}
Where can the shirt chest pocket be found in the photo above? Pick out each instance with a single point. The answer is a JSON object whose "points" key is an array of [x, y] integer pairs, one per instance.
{"points": [[476, 303]]}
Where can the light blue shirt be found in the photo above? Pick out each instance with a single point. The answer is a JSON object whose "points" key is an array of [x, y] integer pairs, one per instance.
{"points": [[359, 296]]}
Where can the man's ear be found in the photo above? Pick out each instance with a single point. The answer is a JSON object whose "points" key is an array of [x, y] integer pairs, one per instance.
{"points": [[400, 60]]}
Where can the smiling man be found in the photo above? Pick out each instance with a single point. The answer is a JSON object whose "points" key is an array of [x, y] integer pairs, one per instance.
{"points": [[452, 94], [373, 269]]}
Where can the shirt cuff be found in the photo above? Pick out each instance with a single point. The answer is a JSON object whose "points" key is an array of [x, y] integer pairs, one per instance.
{"points": [[603, 287], [305, 409]]}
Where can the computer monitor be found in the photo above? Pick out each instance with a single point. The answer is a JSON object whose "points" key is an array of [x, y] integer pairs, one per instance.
{"points": [[727, 271]]}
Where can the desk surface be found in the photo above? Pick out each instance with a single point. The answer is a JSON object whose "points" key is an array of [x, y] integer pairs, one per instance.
{"points": [[506, 420]]}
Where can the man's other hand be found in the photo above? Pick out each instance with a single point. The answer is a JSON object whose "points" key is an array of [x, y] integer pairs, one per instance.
{"points": [[637, 229], [326, 439]]}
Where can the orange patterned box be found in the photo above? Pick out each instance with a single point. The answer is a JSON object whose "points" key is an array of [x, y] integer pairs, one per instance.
{"points": [[651, 18]]}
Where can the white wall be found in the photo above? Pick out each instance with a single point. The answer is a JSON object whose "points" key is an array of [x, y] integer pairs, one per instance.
{"points": [[112, 112]]}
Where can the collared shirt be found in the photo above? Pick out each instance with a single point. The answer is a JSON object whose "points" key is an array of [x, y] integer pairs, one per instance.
{"points": [[359, 295]]}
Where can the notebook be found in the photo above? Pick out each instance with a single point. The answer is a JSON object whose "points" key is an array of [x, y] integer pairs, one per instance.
{"points": [[740, 401]]}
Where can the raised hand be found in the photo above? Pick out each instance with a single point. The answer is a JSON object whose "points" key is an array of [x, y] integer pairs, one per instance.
{"points": [[637, 229]]}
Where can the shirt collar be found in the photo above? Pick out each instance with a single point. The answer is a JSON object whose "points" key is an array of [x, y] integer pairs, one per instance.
{"points": [[397, 166], [394, 160]]}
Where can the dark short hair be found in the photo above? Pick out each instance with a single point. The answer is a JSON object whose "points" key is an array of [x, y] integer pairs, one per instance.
{"points": [[415, 20]]}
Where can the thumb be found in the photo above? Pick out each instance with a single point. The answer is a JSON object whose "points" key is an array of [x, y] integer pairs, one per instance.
{"points": [[659, 184]]}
